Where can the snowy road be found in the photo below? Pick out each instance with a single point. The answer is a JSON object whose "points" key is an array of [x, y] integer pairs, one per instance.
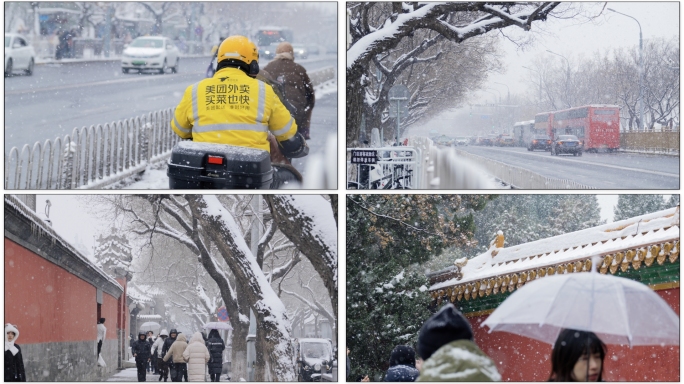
{"points": [[60, 97], [600, 170]]}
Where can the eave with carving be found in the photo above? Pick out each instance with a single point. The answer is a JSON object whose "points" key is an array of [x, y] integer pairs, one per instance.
{"points": [[643, 248]]}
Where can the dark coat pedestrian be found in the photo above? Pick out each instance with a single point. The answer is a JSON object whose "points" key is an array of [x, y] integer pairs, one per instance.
{"points": [[402, 364], [142, 351], [168, 366], [297, 86], [216, 347], [445, 341], [14, 362]]}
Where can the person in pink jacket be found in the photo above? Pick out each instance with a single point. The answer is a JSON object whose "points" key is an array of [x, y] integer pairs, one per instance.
{"points": [[197, 356]]}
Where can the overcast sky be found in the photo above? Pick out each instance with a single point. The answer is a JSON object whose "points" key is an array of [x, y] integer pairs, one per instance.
{"points": [[572, 38]]}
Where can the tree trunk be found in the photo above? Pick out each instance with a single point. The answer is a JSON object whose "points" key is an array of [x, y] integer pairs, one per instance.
{"points": [[238, 365], [302, 231], [355, 93]]}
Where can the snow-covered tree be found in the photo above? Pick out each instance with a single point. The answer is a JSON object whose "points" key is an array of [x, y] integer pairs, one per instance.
{"points": [[379, 28], [672, 202], [387, 300], [635, 205]]}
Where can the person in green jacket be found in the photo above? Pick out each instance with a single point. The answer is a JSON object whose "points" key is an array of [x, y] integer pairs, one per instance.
{"points": [[446, 344]]}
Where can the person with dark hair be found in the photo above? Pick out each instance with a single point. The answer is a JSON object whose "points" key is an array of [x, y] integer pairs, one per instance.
{"points": [[168, 369], [402, 364], [446, 344], [577, 356], [14, 362], [216, 347], [101, 333], [142, 350]]}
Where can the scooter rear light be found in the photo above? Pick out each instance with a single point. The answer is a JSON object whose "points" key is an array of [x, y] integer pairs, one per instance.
{"points": [[215, 160]]}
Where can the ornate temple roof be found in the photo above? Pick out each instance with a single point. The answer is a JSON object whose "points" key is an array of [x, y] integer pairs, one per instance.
{"points": [[621, 247]]}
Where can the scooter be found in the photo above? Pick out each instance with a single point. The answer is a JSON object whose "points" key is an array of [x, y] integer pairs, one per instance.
{"points": [[196, 165]]}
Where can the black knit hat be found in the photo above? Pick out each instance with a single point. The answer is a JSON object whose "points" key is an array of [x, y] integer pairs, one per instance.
{"points": [[403, 355], [443, 327]]}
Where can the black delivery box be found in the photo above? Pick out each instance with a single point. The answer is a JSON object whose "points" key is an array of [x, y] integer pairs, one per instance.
{"points": [[218, 166]]}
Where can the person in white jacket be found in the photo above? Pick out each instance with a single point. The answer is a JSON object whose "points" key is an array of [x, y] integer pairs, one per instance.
{"points": [[101, 333], [197, 356], [156, 351]]}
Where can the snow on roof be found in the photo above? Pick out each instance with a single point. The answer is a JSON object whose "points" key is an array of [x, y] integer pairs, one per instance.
{"points": [[149, 317], [44, 227], [640, 231], [143, 293]]}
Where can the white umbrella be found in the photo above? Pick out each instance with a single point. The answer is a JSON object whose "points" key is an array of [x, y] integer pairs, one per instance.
{"points": [[617, 310], [150, 326], [218, 325]]}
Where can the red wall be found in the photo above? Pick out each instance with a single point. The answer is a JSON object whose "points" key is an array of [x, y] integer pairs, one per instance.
{"points": [[49, 304], [522, 359]]}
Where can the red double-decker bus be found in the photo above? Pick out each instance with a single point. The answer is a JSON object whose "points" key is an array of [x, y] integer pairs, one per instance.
{"points": [[596, 126]]}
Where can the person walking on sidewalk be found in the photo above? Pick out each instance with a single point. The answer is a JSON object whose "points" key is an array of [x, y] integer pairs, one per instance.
{"points": [[141, 351], [197, 356], [156, 352], [175, 354], [216, 347], [168, 368], [14, 362]]}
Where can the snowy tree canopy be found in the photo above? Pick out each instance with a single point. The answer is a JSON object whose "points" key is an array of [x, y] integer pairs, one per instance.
{"points": [[376, 29]]}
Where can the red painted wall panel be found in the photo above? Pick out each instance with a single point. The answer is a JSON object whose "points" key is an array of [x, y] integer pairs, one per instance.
{"points": [[109, 312], [522, 359], [49, 304]]}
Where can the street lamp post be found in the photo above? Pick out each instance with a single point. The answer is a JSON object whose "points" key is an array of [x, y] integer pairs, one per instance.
{"points": [[508, 103], [641, 70], [540, 83], [567, 80]]}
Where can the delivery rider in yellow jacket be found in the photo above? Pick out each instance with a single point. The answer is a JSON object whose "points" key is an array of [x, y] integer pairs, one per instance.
{"points": [[235, 108]]}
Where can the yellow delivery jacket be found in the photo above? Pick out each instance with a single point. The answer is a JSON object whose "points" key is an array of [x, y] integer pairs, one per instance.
{"points": [[232, 108]]}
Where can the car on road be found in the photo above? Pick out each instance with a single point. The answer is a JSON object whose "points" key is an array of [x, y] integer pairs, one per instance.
{"points": [[19, 55], [300, 51], [156, 53], [489, 140], [566, 144], [443, 140], [461, 141], [268, 51], [542, 142], [504, 140], [314, 358]]}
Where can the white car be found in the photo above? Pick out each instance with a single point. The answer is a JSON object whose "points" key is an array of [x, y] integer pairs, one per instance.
{"points": [[18, 54], [150, 52]]}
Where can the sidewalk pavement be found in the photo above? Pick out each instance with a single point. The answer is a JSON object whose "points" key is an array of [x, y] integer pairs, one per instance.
{"points": [[131, 375]]}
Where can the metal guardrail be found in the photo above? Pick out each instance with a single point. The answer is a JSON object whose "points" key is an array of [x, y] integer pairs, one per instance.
{"points": [[520, 177], [395, 168], [92, 157], [101, 155]]}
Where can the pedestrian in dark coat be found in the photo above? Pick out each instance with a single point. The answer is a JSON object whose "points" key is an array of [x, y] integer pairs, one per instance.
{"points": [[14, 362], [168, 367], [216, 347], [402, 364], [142, 351], [296, 85]]}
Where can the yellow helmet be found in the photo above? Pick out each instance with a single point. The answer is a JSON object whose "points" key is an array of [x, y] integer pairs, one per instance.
{"points": [[240, 49]]}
